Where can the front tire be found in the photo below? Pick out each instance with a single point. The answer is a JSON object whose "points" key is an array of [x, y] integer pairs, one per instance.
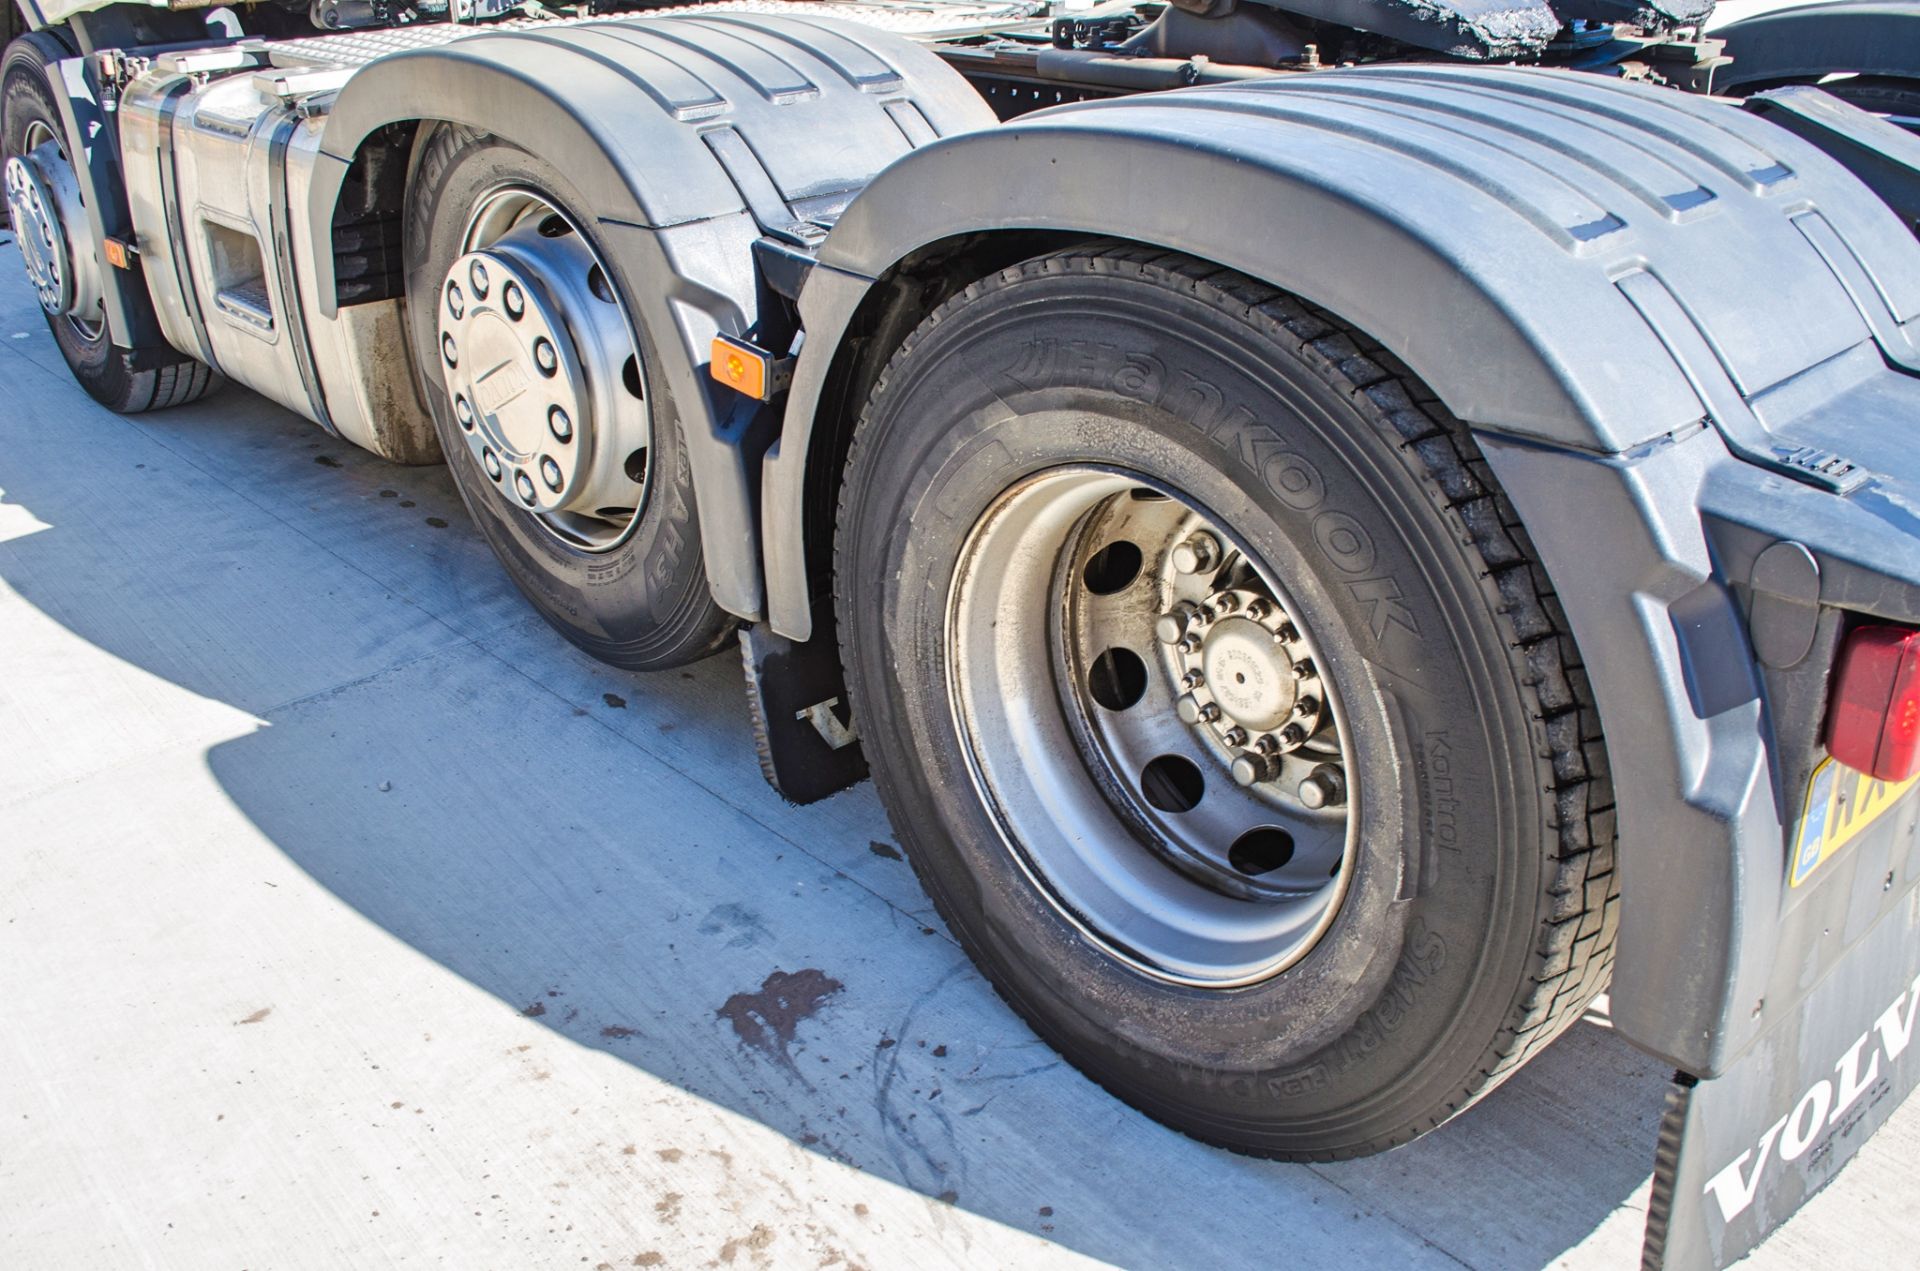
{"points": [[30, 123], [1117, 480]]}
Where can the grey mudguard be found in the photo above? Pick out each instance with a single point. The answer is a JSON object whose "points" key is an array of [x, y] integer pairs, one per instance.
{"points": [[1606, 280], [690, 137], [1865, 37]]}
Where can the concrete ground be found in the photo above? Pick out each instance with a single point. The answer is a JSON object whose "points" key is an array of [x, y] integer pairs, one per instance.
{"points": [[351, 918]]}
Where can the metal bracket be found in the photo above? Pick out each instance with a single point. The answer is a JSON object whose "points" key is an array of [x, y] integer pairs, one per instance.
{"points": [[828, 725]]}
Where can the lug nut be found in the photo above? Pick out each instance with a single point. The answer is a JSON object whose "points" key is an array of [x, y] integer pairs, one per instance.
{"points": [[1225, 603], [463, 412], [1235, 736], [1292, 735], [1200, 552], [456, 303], [1307, 707], [512, 301], [1266, 744], [544, 357], [1303, 669], [491, 462], [1188, 708], [1287, 633], [550, 473], [560, 425], [1191, 644], [1259, 610], [1171, 626], [1252, 769], [477, 275], [1324, 787], [449, 350], [523, 486], [1192, 680]]}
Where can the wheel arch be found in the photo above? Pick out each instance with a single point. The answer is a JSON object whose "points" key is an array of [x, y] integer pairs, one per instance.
{"points": [[689, 138], [1477, 223]]}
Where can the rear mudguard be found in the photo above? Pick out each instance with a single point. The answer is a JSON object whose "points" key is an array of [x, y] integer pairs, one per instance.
{"points": [[1644, 303], [690, 138], [1803, 43]]}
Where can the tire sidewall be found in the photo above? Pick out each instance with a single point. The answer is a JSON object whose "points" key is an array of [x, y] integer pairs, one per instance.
{"points": [[643, 604], [1157, 383]]}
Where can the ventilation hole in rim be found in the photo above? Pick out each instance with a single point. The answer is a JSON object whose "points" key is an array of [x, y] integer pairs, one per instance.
{"points": [[630, 376], [1261, 851], [1140, 494], [555, 227], [1172, 784], [598, 285], [1117, 679], [1335, 871], [612, 514], [636, 467], [1112, 568]]}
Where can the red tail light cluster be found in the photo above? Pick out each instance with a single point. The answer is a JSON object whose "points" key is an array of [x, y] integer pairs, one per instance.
{"points": [[1873, 723]]}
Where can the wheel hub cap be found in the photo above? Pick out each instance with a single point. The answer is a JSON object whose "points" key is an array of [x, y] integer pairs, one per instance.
{"points": [[543, 374], [42, 199]]}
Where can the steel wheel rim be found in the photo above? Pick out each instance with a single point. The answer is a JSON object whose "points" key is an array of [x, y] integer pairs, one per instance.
{"points": [[1096, 826], [543, 371]]}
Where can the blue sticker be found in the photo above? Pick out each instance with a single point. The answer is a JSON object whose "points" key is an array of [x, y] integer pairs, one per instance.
{"points": [[1813, 826]]}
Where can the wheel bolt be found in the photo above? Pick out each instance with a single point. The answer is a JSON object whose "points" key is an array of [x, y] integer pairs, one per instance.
{"points": [[1209, 712], [1199, 552], [456, 303], [1191, 644], [1192, 680], [1235, 736], [449, 350], [477, 275], [523, 485], [1303, 669], [513, 301], [1188, 708], [560, 425], [491, 462], [1307, 707], [544, 357], [1292, 735], [550, 473], [1288, 633], [1324, 787], [1225, 603], [1258, 610], [1252, 769], [1171, 626], [463, 412]]}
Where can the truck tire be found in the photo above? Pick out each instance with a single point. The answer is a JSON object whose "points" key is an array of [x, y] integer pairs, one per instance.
{"points": [[1087, 456], [1894, 99], [629, 587], [30, 120]]}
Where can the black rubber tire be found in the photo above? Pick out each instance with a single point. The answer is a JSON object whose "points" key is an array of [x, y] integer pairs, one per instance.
{"points": [[107, 373], [644, 605], [1879, 95], [1480, 914]]}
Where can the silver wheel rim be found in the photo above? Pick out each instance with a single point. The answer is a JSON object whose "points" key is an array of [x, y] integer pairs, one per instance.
{"points": [[543, 372], [1116, 659], [43, 202]]}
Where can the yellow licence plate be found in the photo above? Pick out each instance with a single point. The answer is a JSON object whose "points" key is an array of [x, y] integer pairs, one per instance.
{"points": [[1841, 803]]}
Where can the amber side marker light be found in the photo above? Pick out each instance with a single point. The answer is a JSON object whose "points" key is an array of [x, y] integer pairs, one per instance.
{"points": [[751, 371], [1873, 722]]}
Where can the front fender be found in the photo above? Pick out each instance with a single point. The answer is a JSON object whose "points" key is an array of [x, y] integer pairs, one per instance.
{"points": [[1805, 42]]}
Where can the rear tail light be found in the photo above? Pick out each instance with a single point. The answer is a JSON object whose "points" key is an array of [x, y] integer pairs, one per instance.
{"points": [[1874, 722]]}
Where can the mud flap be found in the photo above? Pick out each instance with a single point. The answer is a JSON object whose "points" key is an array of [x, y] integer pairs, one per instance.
{"points": [[1739, 1154], [802, 727]]}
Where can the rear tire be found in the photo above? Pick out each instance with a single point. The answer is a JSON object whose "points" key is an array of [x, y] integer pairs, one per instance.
{"points": [[106, 372], [1475, 909]]}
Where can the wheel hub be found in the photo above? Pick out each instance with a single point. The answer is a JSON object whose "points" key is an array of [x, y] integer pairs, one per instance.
{"points": [[43, 198], [1183, 796], [543, 374]]}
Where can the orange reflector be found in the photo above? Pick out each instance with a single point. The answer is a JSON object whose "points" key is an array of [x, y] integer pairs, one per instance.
{"points": [[119, 255], [742, 367]]}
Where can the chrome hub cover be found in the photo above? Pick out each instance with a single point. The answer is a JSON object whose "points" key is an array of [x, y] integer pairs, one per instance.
{"points": [[43, 199], [543, 374]]}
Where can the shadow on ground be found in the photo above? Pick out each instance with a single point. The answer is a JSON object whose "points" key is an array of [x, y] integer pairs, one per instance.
{"points": [[597, 851]]}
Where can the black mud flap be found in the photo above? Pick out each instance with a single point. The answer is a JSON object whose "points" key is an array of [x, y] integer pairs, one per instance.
{"points": [[1739, 1154], [802, 726]]}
